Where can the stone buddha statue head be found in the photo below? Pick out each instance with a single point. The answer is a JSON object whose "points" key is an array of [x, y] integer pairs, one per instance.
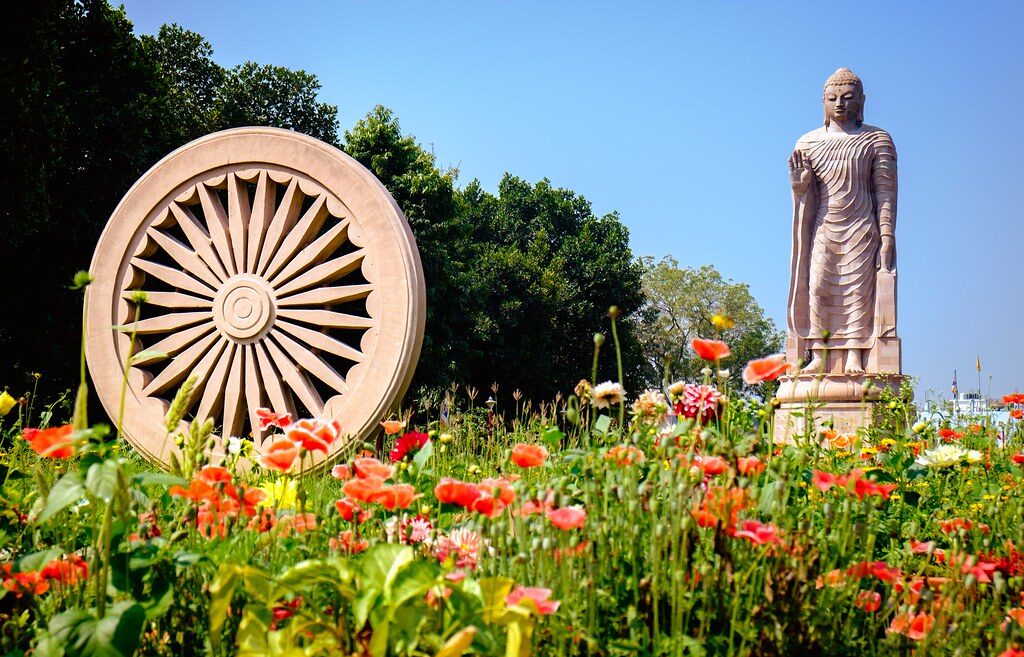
{"points": [[843, 99]]}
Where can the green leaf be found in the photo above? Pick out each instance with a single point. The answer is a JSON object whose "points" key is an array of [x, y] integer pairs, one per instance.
{"points": [[380, 565], [494, 590], [101, 480], [65, 492], [37, 560], [602, 424], [552, 437], [221, 591], [115, 635], [425, 453], [412, 582], [158, 479]]}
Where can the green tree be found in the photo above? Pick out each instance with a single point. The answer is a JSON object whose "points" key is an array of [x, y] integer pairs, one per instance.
{"points": [[680, 304], [254, 94], [546, 270], [430, 202]]}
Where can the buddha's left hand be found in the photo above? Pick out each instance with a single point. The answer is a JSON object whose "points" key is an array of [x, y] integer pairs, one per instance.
{"points": [[885, 254]]}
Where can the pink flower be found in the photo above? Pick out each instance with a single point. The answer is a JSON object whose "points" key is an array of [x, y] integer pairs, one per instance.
{"points": [[765, 369], [341, 472], [699, 402], [758, 533], [566, 518], [462, 546], [823, 480], [535, 597], [267, 418]]}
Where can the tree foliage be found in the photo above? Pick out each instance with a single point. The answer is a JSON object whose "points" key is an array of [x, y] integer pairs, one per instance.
{"points": [[680, 305]]}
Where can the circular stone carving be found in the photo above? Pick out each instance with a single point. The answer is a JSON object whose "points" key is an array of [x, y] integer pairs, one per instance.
{"points": [[278, 272]]}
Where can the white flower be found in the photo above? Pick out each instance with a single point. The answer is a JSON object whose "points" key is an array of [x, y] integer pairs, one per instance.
{"points": [[675, 391], [706, 371], [606, 394], [723, 375], [234, 445], [942, 456], [974, 456]]}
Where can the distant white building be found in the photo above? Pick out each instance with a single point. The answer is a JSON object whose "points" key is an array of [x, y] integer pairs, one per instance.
{"points": [[968, 406]]}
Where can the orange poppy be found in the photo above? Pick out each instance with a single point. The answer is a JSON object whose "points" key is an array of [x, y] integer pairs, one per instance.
{"points": [[367, 466], [363, 488], [529, 456], [710, 349], [396, 496], [314, 435], [749, 465], [391, 427], [280, 455], [459, 493], [53, 443], [1016, 414], [915, 626], [765, 369]]}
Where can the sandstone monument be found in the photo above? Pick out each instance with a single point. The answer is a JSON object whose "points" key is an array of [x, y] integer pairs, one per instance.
{"points": [[276, 269], [842, 299]]}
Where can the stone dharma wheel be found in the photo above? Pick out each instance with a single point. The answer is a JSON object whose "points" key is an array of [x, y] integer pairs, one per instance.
{"points": [[277, 270]]}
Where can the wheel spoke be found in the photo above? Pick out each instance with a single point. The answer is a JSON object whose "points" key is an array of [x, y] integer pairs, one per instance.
{"points": [[233, 395], [311, 363], [173, 277], [217, 223], [238, 217], [213, 393], [262, 211], [318, 250], [304, 231], [180, 366], [280, 402], [174, 343], [284, 219], [199, 238], [203, 370], [174, 300], [306, 393], [327, 295], [254, 393], [325, 272], [326, 318], [188, 259], [170, 322], [318, 340]]}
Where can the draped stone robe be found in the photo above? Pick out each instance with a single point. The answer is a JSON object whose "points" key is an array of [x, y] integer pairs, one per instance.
{"points": [[837, 228]]}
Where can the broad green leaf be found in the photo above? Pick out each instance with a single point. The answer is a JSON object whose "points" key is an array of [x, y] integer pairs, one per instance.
{"points": [[37, 560], [381, 564], [552, 437], [65, 492], [221, 591], [115, 635], [494, 591], [412, 582], [602, 424], [101, 480], [423, 455]]}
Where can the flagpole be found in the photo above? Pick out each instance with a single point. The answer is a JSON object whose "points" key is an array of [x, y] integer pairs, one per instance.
{"points": [[979, 375]]}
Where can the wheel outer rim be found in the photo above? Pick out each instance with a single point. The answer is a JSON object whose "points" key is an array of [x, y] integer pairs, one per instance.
{"points": [[392, 265]]}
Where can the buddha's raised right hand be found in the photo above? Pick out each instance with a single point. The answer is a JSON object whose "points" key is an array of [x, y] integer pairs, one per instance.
{"points": [[800, 173]]}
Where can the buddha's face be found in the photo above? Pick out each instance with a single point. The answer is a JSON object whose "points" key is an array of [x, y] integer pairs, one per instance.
{"points": [[843, 103]]}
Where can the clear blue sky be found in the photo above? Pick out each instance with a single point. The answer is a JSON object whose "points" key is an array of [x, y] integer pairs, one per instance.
{"points": [[681, 117]]}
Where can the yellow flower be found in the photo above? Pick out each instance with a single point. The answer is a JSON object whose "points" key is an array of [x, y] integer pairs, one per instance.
{"points": [[6, 403], [280, 495], [722, 322]]}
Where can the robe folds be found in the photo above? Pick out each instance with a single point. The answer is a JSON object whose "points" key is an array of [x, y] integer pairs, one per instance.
{"points": [[837, 228]]}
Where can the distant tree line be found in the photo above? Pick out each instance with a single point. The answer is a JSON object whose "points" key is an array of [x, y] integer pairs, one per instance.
{"points": [[518, 281]]}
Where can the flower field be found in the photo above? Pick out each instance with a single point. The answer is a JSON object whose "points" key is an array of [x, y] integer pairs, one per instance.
{"points": [[603, 523]]}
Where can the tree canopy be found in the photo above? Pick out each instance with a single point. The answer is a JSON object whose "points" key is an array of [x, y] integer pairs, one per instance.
{"points": [[680, 305]]}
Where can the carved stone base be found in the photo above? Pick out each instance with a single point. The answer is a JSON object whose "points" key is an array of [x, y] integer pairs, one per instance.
{"points": [[847, 401]]}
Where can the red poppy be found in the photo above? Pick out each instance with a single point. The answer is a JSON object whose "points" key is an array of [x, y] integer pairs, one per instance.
{"points": [[536, 597], [949, 435], [1018, 458], [1016, 414], [915, 626], [823, 480], [314, 435], [53, 443], [27, 583], [566, 518], [1015, 398], [280, 455], [710, 349], [268, 418], [348, 542], [459, 493], [299, 523], [869, 601], [408, 442], [341, 472], [710, 465], [624, 455], [757, 532], [68, 570], [529, 456], [765, 369], [500, 488], [749, 465], [351, 511]]}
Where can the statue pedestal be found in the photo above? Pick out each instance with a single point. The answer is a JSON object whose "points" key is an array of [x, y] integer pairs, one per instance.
{"points": [[845, 400]]}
